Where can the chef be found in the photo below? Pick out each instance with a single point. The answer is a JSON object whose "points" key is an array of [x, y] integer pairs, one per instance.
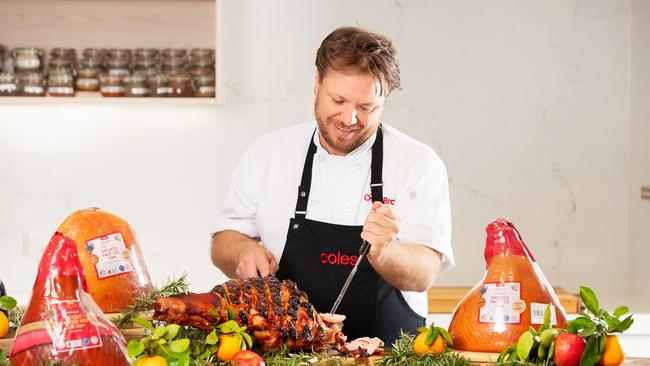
{"points": [[302, 199]]}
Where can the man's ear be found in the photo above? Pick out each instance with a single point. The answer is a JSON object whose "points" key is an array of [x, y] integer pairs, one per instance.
{"points": [[316, 83]]}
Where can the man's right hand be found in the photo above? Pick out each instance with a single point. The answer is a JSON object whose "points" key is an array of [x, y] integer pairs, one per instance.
{"points": [[255, 262]]}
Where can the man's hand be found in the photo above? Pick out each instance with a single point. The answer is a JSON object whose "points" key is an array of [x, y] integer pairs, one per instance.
{"points": [[254, 262], [380, 228]]}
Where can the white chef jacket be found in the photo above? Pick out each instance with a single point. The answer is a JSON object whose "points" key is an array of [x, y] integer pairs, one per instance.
{"points": [[264, 190]]}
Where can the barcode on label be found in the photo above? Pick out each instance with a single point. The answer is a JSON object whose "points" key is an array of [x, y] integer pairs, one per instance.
{"points": [[537, 313]]}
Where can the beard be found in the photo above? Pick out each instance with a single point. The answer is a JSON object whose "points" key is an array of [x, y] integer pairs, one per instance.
{"points": [[338, 145]]}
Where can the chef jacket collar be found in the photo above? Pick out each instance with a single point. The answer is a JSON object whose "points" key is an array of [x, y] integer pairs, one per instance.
{"points": [[366, 146]]}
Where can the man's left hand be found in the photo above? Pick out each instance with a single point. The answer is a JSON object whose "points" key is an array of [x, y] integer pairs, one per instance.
{"points": [[380, 228]]}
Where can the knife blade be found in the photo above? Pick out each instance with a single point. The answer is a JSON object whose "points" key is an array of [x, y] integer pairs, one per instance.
{"points": [[362, 253]]}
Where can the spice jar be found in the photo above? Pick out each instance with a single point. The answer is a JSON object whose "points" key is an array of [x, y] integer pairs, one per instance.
{"points": [[174, 65], [31, 84], [28, 59], [152, 53], [159, 86], [174, 52], [143, 64], [62, 64], [88, 74], [95, 53], [136, 86], [65, 53], [111, 85], [118, 66], [202, 66], [60, 84], [120, 53], [7, 84], [204, 86], [202, 53], [181, 85]]}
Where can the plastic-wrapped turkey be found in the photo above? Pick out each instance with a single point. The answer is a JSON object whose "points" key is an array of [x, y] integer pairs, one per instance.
{"points": [[511, 296], [62, 323]]}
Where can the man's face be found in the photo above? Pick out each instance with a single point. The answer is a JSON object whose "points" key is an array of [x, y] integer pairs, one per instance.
{"points": [[348, 109]]}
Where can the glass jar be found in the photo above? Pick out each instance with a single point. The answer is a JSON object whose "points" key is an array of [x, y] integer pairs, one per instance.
{"points": [[196, 53], [174, 52], [181, 85], [136, 86], [28, 59], [60, 63], [30, 84], [118, 66], [204, 86], [60, 84], [7, 84], [69, 54], [95, 53], [159, 86], [202, 66], [152, 53], [111, 85], [174, 65], [143, 64], [120, 53]]}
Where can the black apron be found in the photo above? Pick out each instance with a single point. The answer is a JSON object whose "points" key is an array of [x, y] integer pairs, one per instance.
{"points": [[319, 256]]}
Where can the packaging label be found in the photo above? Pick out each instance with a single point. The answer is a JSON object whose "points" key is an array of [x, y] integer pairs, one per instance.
{"points": [[61, 90], [87, 82], [206, 89], [503, 303], [111, 257], [164, 90], [139, 91], [537, 313], [112, 89], [119, 72], [33, 89], [70, 327], [7, 88]]}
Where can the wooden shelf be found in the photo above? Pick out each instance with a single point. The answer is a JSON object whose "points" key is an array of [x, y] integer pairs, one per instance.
{"points": [[96, 98], [113, 24]]}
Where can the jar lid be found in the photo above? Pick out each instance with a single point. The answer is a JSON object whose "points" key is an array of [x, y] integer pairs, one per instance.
{"points": [[91, 62], [147, 53], [202, 62], [28, 51], [174, 52], [59, 62], [63, 52], [94, 53], [174, 61], [119, 52], [202, 52], [117, 62]]}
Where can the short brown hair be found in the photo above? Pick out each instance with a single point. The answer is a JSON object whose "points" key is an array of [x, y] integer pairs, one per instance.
{"points": [[365, 51]]}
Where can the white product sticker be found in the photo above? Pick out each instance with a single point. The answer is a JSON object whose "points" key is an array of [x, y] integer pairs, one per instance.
{"points": [[206, 89], [139, 91], [87, 82], [503, 303], [164, 90], [111, 89], [27, 63], [33, 90], [61, 90], [537, 313], [111, 257], [119, 72], [7, 88]]}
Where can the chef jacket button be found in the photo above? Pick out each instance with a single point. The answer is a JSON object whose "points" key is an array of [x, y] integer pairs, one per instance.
{"points": [[303, 193], [348, 207], [321, 158]]}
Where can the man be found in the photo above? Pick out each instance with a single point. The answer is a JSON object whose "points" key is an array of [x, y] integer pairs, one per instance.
{"points": [[334, 182]]}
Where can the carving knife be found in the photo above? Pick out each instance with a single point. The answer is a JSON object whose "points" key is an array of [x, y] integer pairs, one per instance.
{"points": [[362, 254]]}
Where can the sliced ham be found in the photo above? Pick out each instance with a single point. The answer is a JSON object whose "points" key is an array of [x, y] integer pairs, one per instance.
{"points": [[364, 347]]}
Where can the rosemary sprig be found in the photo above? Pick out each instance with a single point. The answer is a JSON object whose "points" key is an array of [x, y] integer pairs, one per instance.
{"points": [[146, 301], [402, 354], [283, 357]]}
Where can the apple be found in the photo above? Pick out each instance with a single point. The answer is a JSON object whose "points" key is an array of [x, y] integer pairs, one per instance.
{"points": [[247, 358], [568, 349]]}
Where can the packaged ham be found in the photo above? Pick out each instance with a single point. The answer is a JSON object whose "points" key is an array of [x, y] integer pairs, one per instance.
{"points": [[62, 324], [110, 256], [511, 297]]}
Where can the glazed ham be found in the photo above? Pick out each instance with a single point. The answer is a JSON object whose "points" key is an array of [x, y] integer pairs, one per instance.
{"points": [[275, 313], [62, 324], [364, 347], [511, 297], [111, 257]]}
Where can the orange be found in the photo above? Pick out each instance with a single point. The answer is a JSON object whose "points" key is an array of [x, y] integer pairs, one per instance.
{"points": [[151, 361], [613, 355], [4, 325], [229, 344], [420, 348]]}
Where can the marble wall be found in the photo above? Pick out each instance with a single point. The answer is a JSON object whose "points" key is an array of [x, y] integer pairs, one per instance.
{"points": [[527, 102]]}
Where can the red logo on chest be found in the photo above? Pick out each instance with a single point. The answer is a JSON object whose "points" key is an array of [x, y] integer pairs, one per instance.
{"points": [[387, 200], [338, 259]]}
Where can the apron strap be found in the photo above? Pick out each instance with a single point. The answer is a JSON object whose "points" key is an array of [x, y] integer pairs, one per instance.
{"points": [[376, 168]]}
